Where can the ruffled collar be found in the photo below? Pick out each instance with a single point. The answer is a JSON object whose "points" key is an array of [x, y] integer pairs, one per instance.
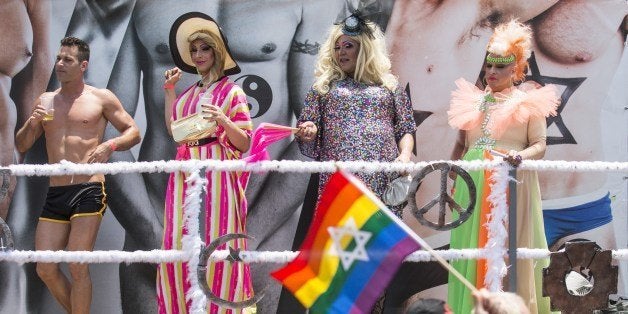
{"points": [[513, 106]]}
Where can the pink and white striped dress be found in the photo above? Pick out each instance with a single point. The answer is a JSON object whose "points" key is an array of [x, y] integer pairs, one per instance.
{"points": [[225, 206]]}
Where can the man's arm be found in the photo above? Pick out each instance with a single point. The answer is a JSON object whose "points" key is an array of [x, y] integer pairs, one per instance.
{"points": [[317, 17], [31, 130], [121, 120]]}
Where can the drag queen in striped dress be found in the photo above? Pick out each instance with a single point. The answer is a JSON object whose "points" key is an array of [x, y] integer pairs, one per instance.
{"points": [[198, 45]]}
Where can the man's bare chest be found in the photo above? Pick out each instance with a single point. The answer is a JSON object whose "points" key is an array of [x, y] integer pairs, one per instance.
{"points": [[256, 30]]}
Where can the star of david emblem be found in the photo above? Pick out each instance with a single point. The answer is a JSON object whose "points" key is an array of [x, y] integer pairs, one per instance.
{"points": [[342, 236], [571, 84]]}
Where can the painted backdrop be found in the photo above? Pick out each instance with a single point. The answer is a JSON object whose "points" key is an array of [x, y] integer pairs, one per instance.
{"points": [[578, 45]]}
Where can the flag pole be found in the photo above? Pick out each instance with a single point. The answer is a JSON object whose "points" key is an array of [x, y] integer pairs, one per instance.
{"points": [[410, 232]]}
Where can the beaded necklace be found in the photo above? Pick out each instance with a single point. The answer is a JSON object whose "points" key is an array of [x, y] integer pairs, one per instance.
{"points": [[485, 141]]}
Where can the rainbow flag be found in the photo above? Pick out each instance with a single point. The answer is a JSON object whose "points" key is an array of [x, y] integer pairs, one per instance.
{"points": [[352, 250]]}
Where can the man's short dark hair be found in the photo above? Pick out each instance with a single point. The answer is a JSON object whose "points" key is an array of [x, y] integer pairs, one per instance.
{"points": [[83, 47]]}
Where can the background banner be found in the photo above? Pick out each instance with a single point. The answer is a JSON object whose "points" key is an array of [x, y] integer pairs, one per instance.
{"points": [[578, 45]]}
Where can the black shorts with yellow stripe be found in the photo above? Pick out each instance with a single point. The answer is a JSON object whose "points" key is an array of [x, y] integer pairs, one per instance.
{"points": [[70, 201]]}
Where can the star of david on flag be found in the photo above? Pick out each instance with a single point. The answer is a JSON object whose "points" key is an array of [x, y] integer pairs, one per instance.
{"points": [[351, 252]]}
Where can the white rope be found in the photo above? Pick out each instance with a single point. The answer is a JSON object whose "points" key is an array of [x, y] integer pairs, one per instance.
{"points": [[260, 256], [574, 166], [171, 256], [95, 257], [161, 256], [192, 243], [621, 255], [450, 255], [524, 253], [68, 168]]}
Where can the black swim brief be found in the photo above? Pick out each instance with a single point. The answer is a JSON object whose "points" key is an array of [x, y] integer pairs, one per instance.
{"points": [[70, 201]]}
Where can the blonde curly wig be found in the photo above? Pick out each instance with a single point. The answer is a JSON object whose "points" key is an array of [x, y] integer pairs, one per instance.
{"points": [[372, 66]]}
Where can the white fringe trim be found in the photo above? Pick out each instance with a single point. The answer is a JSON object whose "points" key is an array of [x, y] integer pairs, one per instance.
{"points": [[497, 233], [191, 242]]}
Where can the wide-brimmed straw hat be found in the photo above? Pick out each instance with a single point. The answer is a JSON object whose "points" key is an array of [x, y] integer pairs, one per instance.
{"points": [[186, 25]]}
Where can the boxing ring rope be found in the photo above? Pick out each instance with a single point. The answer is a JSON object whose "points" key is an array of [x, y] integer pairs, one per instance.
{"points": [[495, 251], [68, 168], [279, 257]]}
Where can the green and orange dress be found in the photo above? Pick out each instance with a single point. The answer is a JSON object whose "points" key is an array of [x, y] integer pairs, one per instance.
{"points": [[513, 119]]}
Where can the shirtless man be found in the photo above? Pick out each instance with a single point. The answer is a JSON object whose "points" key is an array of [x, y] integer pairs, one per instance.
{"points": [[275, 44], [25, 65], [75, 134], [429, 57], [103, 24]]}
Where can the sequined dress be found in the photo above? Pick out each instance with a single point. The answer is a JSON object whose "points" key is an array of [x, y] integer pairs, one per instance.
{"points": [[357, 121], [511, 120]]}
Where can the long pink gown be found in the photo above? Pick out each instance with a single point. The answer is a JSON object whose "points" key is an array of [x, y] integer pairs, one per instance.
{"points": [[225, 206]]}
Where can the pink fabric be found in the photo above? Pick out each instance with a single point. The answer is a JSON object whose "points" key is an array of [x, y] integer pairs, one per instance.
{"points": [[463, 110], [516, 107], [264, 135], [523, 106]]}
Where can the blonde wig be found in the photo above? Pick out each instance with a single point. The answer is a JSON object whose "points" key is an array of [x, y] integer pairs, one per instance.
{"points": [[217, 69], [513, 38], [372, 65]]}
